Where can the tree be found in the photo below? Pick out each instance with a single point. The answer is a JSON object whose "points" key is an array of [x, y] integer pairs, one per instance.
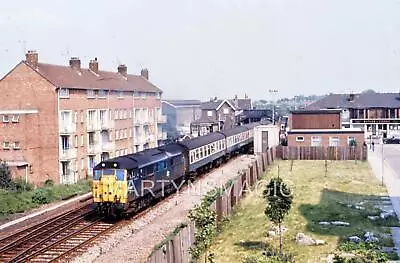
{"points": [[279, 201], [5, 175]]}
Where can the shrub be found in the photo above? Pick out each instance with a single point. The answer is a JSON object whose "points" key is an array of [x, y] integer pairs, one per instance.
{"points": [[5, 176], [42, 196], [20, 185], [49, 182]]}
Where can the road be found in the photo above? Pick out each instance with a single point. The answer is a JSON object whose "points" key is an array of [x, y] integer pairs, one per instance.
{"points": [[391, 152], [391, 177]]}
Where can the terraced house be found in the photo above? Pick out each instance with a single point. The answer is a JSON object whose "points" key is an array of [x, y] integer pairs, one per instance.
{"points": [[59, 121]]}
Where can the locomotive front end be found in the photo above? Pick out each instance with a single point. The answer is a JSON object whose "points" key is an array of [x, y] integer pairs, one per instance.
{"points": [[110, 189]]}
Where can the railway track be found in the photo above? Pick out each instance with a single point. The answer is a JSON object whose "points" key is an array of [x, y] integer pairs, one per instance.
{"points": [[55, 238]]}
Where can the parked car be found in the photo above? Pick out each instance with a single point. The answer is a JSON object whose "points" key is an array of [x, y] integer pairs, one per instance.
{"points": [[392, 140]]}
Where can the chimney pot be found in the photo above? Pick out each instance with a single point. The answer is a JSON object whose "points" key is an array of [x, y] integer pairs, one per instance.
{"points": [[145, 73], [75, 63], [32, 58], [94, 66], [123, 70]]}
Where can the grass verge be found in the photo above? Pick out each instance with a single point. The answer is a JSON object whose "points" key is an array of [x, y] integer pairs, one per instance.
{"points": [[337, 196], [12, 202]]}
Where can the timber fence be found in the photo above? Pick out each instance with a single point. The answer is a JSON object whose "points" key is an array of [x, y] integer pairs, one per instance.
{"points": [[176, 249], [322, 153]]}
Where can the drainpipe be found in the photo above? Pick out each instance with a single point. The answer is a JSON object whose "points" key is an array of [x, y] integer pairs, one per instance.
{"points": [[58, 137]]}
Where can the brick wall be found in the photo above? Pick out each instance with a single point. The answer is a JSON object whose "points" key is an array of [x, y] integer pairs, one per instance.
{"points": [[24, 89], [343, 138]]}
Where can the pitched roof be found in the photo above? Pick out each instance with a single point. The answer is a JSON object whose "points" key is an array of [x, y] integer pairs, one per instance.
{"points": [[359, 101], [321, 111], [183, 103], [66, 77], [236, 104]]}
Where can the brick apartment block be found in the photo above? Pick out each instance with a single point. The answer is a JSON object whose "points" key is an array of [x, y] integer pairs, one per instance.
{"points": [[57, 122]]}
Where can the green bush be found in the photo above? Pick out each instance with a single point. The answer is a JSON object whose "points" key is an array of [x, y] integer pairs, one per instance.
{"points": [[49, 182], [42, 196], [20, 185]]}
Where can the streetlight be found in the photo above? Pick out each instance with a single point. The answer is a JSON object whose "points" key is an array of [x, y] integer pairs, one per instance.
{"points": [[383, 162], [273, 92]]}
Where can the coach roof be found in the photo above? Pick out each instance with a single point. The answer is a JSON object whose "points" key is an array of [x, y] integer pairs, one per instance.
{"points": [[202, 140]]}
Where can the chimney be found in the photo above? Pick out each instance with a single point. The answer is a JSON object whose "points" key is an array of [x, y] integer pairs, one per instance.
{"points": [[123, 70], [32, 58], [94, 66], [75, 63], [145, 73]]}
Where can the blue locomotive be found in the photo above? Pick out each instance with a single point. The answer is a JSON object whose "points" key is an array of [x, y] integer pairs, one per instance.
{"points": [[133, 181]]}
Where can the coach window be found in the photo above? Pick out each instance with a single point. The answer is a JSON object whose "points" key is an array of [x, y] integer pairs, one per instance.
{"points": [[201, 152], [208, 150], [191, 158], [197, 154], [212, 148]]}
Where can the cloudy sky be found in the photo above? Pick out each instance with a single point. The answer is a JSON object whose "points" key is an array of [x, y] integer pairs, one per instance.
{"points": [[206, 48]]}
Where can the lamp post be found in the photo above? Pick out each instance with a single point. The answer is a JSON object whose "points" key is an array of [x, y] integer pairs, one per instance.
{"points": [[382, 162], [273, 92]]}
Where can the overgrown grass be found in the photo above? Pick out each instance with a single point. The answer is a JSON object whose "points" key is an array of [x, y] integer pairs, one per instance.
{"points": [[316, 198], [12, 202]]}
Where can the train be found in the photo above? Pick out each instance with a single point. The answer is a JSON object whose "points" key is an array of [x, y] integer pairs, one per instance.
{"points": [[131, 182]]}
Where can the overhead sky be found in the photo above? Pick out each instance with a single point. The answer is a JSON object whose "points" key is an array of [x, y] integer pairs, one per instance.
{"points": [[206, 48]]}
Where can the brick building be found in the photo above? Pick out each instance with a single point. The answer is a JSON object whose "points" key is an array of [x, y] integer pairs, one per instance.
{"points": [[320, 128], [378, 114], [218, 114], [59, 121]]}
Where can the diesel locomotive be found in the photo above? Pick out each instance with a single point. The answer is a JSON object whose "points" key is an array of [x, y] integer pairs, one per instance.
{"points": [[129, 182]]}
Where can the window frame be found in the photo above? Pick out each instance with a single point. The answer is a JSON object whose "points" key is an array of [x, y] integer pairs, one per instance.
{"points": [[63, 95], [91, 93], [6, 118], [298, 139], [15, 120], [102, 94]]}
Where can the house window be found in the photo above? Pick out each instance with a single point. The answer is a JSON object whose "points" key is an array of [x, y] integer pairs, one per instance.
{"points": [[82, 163], [158, 95], [143, 95], [299, 139], [316, 141], [226, 111], [91, 162], [16, 145], [91, 94], [102, 94], [76, 140], [82, 140], [63, 93], [334, 141], [116, 114], [91, 138], [6, 145], [120, 95], [6, 118], [209, 113], [116, 134], [15, 118], [82, 116], [351, 141], [64, 143]]}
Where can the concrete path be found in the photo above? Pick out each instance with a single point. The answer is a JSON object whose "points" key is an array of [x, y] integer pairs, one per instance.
{"points": [[388, 171]]}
